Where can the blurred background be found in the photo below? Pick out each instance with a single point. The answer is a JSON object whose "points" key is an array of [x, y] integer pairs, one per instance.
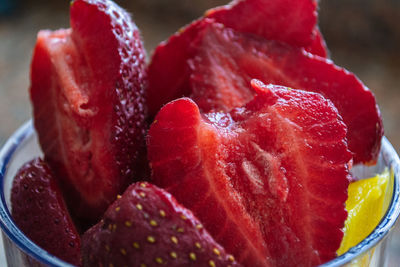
{"points": [[362, 35]]}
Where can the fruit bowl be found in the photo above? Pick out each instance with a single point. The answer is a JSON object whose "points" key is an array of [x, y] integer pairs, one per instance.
{"points": [[20, 251]]}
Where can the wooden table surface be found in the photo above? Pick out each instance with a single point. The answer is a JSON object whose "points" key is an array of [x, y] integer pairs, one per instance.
{"points": [[362, 36]]}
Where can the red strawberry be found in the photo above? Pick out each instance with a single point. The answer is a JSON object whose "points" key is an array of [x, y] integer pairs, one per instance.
{"points": [[289, 21], [87, 87], [168, 70], [318, 46], [226, 60], [147, 227], [268, 180], [39, 211]]}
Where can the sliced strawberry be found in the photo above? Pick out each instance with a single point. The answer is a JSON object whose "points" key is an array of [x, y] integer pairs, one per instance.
{"points": [[87, 87], [289, 21], [39, 211], [268, 180], [147, 227], [318, 46], [225, 61]]}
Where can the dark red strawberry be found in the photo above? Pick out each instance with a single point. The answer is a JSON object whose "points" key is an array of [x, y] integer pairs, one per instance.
{"points": [[268, 180], [226, 60], [39, 211], [87, 87], [147, 227]]}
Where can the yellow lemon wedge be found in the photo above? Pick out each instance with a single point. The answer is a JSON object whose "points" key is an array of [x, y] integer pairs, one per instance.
{"points": [[367, 202]]}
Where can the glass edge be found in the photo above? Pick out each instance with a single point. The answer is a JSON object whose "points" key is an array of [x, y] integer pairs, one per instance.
{"points": [[7, 225], [14, 234], [387, 222]]}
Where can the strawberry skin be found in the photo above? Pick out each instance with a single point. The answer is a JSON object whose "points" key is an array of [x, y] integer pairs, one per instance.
{"points": [[147, 227], [87, 88], [39, 211], [268, 180]]}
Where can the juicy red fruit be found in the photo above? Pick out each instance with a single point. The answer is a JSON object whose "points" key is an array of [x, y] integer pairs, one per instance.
{"points": [[289, 21], [268, 180], [39, 211], [147, 227], [226, 60], [87, 87], [168, 70]]}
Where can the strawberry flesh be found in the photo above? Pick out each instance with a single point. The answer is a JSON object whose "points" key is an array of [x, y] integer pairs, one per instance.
{"points": [[289, 21], [39, 211], [147, 227], [253, 174], [87, 87], [226, 60]]}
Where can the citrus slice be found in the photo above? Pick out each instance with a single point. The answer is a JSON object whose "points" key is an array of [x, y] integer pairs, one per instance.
{"points": [[367, 202]]}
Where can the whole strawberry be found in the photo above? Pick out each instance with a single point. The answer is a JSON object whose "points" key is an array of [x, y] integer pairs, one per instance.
{"points": [[147, 227], [87, 87], [40, 212]]}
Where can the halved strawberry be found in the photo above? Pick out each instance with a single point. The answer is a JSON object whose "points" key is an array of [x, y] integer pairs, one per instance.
{"points": [[39, 211], [226, 60], [147, 227], [268, 180], [87, 87]]}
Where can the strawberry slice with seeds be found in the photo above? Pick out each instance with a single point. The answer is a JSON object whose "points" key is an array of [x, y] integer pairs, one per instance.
{"points": [[87, 88], [147, 227], [268, 180], [226, 60], [39, 211]]}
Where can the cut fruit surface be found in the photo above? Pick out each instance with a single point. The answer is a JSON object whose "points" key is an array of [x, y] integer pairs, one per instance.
{"points": [[252, 174], [87, 90], [223, 61], [366, 206], [227, 59], [288, 21]]}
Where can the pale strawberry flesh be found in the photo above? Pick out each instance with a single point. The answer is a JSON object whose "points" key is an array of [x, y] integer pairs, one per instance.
{"points": [[87, 90], [40, 212], [252, 175], [147, 227]]}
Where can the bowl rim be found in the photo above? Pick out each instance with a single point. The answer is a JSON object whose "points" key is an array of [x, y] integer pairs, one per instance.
{"points": [[27, 246]]}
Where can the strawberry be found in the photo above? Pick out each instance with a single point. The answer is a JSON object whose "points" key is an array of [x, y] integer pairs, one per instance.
{"points": [[39, 211], [87, 87], [318, 46], [168, 71], [268, 180], [289, 21], [226, 60], [147, 227], [220, 62]]}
